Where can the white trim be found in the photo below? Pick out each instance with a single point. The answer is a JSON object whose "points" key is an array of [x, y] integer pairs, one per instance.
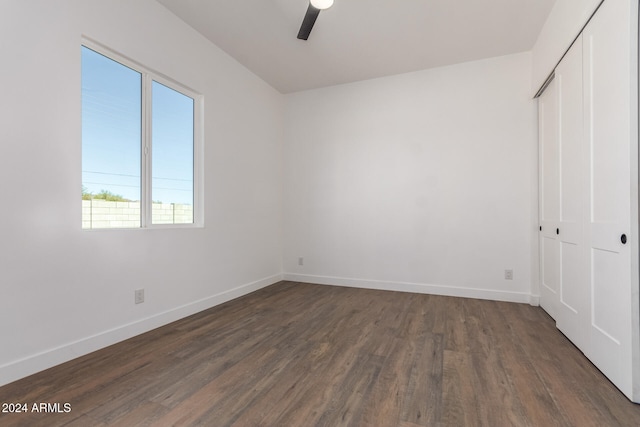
{"points": [[534, 300], [18, 369], [635, 215], [145, 153], [198, 160], [420, 288]]}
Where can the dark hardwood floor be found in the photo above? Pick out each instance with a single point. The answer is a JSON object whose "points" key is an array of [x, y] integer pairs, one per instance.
{"points": [[297, 354]]}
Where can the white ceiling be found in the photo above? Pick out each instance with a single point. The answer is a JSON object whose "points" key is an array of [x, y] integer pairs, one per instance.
{"points": [[361, 39]]}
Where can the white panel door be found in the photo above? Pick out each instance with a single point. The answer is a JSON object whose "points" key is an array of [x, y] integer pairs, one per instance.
{"points": [[549, 200], [574, 297], [608, 98]]}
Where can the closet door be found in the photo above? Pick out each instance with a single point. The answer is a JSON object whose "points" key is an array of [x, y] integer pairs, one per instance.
{"points": [[608, 98], [549, 199], [572, 314]]}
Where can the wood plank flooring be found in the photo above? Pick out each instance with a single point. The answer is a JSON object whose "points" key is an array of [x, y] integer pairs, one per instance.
{"points": [[296, 354]]}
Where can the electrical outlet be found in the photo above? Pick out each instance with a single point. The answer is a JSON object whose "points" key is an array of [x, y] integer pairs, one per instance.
{"points": [[301, 261], [139, 296], [508, 274]]}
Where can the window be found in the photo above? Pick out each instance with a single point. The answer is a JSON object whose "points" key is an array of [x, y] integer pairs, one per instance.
{"points": [[139, 143]]}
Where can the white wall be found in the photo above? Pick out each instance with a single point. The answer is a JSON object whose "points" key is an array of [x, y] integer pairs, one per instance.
{"points": [[422, 182], [57, 296], [563, 25]]}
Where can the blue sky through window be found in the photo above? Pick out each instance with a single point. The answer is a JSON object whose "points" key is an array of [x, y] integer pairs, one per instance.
{"points": [[112, 132], [172, 134]]}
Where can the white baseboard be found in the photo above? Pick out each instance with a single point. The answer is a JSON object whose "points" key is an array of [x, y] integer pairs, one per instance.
{"points": [[420, 288], [18, 369]]}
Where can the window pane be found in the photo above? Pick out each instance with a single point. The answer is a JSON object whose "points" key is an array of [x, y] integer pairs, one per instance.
{"points": [[172, 156], [111, 135]]}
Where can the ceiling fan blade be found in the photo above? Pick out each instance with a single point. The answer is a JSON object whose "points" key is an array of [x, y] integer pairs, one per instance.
{"points": [[308, 21]]}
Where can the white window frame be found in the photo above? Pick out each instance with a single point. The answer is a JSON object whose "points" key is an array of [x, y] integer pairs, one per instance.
{"points": [[148, 77]]}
